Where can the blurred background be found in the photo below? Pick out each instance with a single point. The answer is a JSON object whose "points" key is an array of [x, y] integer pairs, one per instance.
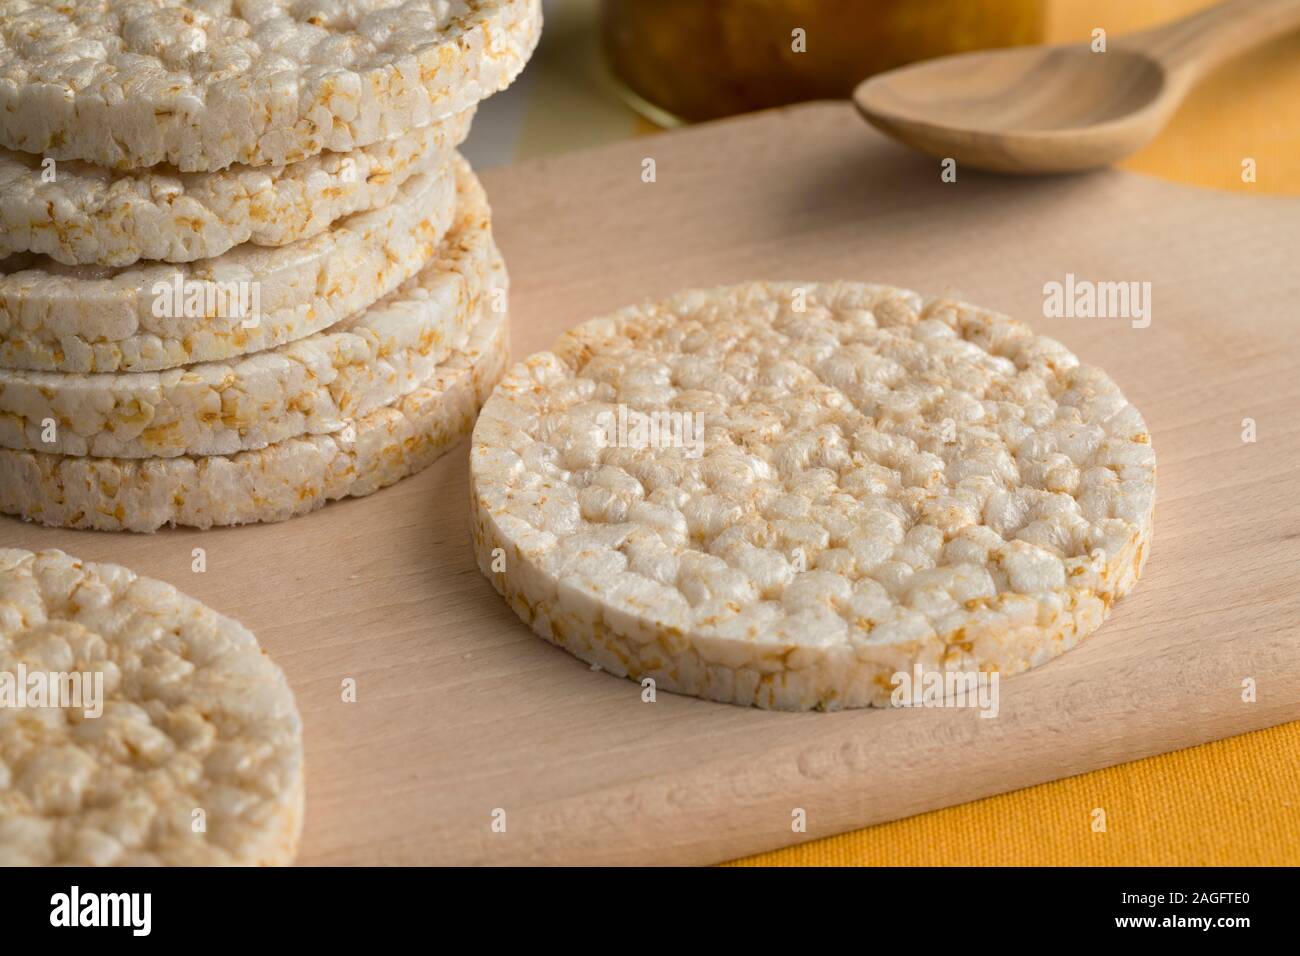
{"points": [[611, 69]]}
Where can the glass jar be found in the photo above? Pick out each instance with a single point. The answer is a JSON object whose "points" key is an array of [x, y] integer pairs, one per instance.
{"points": [[691, 60]]}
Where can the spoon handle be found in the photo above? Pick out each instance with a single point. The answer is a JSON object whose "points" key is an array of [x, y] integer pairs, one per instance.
{"points": [[1194, 44]]}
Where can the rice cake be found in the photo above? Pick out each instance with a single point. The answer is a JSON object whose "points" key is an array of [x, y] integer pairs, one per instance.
{"points": [[150, 317], [192, 724], [882, 481], [81, 214], [205, 83], [312, 386], [289, 478]]}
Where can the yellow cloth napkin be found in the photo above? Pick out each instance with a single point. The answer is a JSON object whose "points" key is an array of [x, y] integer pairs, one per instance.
{"points": [[1235, 802]]}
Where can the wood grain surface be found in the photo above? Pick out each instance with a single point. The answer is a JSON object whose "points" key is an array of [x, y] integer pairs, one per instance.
{"points": [[461, 710]]}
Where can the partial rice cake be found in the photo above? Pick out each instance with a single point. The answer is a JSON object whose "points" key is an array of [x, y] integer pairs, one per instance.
{"points": [[176, 740]]}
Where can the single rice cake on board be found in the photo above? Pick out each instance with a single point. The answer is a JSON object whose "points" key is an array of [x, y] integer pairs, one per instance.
{"points": [[201, 84], [314, 385], [291, 477], [784, 494], [141, 713], [153, 316], [82, 214]]}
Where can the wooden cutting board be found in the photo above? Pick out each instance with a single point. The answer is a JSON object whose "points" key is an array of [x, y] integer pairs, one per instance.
{"points": [[461, 711]]}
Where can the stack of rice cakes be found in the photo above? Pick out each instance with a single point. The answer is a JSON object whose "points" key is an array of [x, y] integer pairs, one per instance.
{"points": [[243, 270]]}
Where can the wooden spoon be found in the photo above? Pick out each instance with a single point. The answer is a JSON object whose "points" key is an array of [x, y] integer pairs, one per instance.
{"points": [[1062, 108]]}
